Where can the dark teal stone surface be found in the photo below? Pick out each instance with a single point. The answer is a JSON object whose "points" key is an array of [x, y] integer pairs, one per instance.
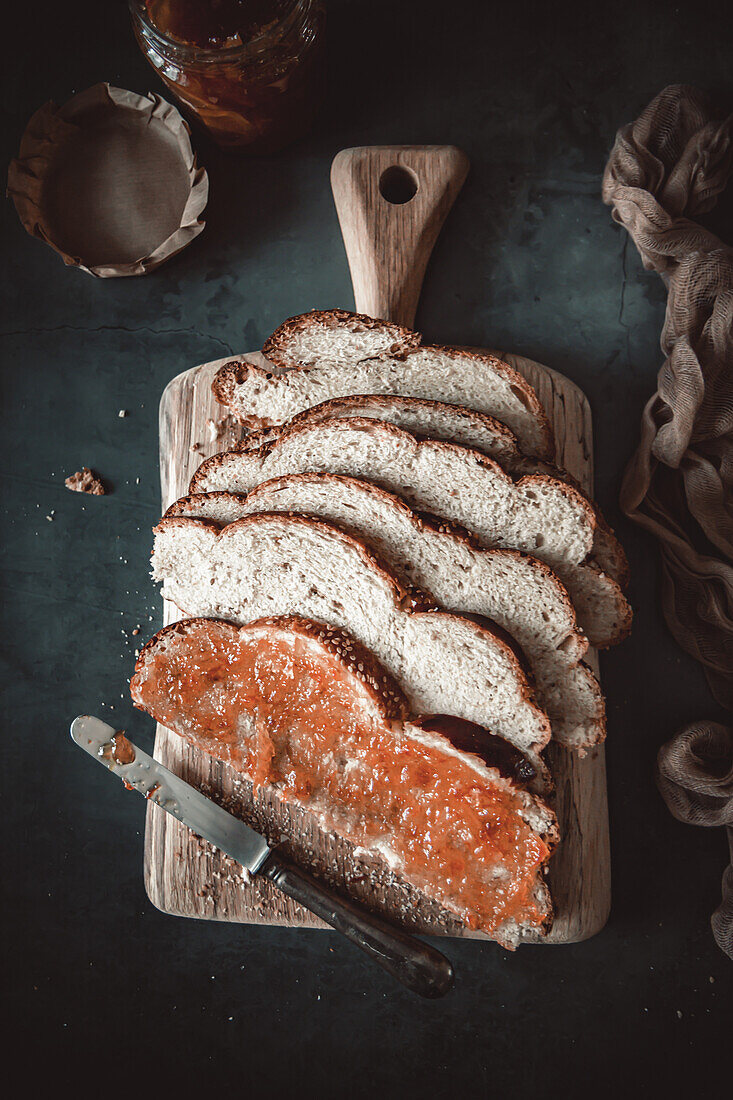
{"points": [[103, 988]]}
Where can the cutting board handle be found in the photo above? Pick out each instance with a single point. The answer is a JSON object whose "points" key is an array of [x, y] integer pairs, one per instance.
{"points": [[391, 202]]}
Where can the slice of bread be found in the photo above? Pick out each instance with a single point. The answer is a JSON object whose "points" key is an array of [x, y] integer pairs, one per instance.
{"points": [[453, 424], [425, 419], [245, 695], [517, 592], [437, 420], [348, 337], [538, 514], [329, 358], [265, 565]]}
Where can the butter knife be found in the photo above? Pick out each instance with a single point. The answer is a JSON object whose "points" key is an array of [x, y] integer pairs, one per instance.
{"points": [[417, 965]]}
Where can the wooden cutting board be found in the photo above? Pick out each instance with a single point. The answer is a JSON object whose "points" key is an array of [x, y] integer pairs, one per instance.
{"points": [[186, 876]]}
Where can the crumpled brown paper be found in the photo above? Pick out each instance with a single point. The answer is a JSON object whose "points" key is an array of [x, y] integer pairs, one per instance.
{"points": [[110, 181]]}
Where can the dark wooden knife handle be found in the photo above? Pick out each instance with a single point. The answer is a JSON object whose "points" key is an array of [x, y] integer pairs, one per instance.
{"points": [[418, 966]]}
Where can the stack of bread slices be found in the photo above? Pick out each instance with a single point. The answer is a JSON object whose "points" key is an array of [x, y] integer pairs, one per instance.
{"points": [[405, 496]]}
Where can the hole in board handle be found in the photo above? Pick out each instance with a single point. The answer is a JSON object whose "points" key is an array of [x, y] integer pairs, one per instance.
{"points": [[398, 185]]}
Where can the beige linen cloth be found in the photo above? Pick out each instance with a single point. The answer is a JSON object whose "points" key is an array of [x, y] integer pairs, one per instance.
{"points": [[665, 169]]}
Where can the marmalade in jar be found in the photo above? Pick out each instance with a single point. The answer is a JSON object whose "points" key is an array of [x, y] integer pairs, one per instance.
{"points": [[247, 69]]}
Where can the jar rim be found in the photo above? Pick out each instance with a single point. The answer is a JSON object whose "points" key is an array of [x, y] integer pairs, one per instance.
{"points": [[228, 53]]}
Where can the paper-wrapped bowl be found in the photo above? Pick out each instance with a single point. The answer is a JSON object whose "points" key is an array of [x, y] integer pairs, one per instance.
{"points": [[110, 181]]}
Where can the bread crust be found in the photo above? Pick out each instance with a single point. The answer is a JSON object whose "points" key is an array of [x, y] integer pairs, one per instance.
{"points": [[184, 507]]}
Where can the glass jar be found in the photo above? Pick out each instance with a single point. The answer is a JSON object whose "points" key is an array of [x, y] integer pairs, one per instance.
{"points": [[249, 70]]}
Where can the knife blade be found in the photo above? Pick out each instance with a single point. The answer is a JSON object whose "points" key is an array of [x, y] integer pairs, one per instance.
{"points": [[179, 799], [417, 965]]}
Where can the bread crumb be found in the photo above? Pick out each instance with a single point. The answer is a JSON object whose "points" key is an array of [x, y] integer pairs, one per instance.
{"points": [[84, 481], [122, 412], [219, 428]]}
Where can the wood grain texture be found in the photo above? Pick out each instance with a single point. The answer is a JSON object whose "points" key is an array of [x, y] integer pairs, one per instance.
{"points": [[388, 243], [185, 876]]}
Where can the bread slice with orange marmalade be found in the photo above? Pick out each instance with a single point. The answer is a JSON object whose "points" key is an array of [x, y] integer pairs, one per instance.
{"points": [[304, 709]]}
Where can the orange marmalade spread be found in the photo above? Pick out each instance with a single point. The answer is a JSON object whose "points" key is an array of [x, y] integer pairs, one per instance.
{"points": [[284, 710], [122, 750]]}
